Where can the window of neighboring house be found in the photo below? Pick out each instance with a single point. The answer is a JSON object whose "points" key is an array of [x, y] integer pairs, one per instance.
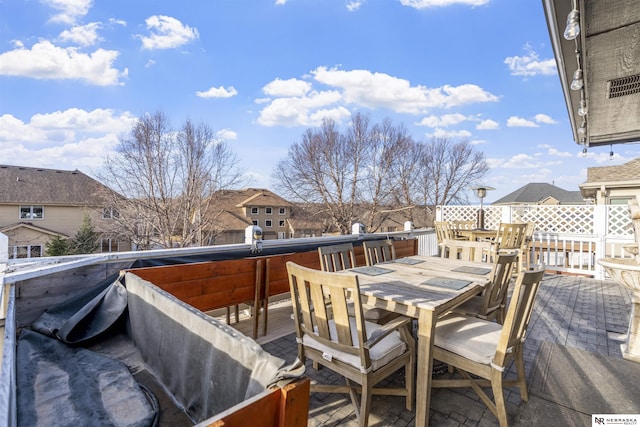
{"points": [[255, 211], [267, 223], [31, 212], [268, 211], [27, 251], [110, 213], [108, 245], [619, 200], [255, 222], [282, 211], [281, 223]]}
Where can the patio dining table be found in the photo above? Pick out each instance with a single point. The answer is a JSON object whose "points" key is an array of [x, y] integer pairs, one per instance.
{"points": [[477, 234], [424, 288]]}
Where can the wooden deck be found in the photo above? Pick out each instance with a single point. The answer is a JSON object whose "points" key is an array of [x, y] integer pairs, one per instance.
{"points": [[279, 322]]}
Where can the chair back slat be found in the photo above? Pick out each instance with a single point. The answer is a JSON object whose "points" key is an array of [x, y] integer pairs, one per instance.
{"points": [[443, 231], [329, 294], [511, 235], [337, 257], [377, 251], [465, 250], [501, 273], [519, 311]]}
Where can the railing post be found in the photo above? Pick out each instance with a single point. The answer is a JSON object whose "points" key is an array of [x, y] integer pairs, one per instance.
{"points": [[4, 250], [600, 229]]}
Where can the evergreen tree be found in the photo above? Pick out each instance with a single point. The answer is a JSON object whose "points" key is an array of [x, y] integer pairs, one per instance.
{"points": [[86, 239], [58, 246]]}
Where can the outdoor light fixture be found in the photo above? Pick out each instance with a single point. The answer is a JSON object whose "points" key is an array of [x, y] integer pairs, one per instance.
{"points": [[611, 152], [582, 130], [577, 82], [584, 147], [481, 192], [583, 110], [572, 30]]}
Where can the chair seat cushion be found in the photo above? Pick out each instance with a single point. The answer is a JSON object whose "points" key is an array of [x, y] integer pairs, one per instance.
{"points": [[386, 350], [470, 337]]}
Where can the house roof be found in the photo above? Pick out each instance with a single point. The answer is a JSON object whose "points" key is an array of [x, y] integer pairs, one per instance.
{"points": [[24, 185], [629, 171], [606, 52], [250, 197], [232, 221], [17, 225], [538, 191]]}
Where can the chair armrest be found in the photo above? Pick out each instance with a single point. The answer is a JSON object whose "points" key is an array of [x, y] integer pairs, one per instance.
{"points": [[386, 329]]}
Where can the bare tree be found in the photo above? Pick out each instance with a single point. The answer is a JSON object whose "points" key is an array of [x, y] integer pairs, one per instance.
{"points": [[448, 170], [349, 175], [375, 171], [324, 168], [168, 180], [388, 146]]}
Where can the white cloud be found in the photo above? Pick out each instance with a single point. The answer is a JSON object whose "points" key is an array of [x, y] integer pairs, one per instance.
{"points": [[70, 10], [530, 64], [444, 133], [379, 90], [303, 111], [552, 151], [523, 161], [226, 134], [442, 121], [285, 88], [218, 92], [488, 125], [423, 4], [281, 2], [354, 5], [514, 121], [84, 35], [75, 138], [167, 33], [543, 118], [46, 61]]}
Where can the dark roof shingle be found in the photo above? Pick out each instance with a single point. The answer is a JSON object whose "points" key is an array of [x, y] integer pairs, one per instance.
{"points": [[27, 185]]}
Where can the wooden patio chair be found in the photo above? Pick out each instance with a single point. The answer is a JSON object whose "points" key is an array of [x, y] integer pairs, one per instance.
{"points": [[377, 251], [466, 250], [362, 352], [525, 248], [444, 232], [337, 257], [484, 349], [511, 235], [341, 257], [491, 304], [461, 225]]}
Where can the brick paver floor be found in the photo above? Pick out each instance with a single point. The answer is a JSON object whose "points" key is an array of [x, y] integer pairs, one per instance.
{"points": [[579, 312]]}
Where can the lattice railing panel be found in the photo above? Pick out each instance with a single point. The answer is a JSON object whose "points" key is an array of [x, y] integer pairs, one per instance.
{"points": [[619, 221], [492, 214], [571, 219], [575, 219]]}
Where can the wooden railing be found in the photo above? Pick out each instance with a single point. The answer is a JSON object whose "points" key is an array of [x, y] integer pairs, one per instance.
{"points": [[568, 238], [226, 283]]}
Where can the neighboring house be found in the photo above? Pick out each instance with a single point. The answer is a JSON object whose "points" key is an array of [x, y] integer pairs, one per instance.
{"points": [[612, 185], [261, 207], [37, 204], [539, 193]]}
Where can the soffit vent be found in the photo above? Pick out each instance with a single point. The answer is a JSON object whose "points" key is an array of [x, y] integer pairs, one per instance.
{"points": [[623, 86]]}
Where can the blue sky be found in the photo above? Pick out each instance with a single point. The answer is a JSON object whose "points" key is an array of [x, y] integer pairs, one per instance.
{"points": [[75, 74]]}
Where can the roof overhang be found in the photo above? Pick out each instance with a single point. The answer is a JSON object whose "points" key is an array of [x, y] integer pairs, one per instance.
{"points": [[608, 51]]}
